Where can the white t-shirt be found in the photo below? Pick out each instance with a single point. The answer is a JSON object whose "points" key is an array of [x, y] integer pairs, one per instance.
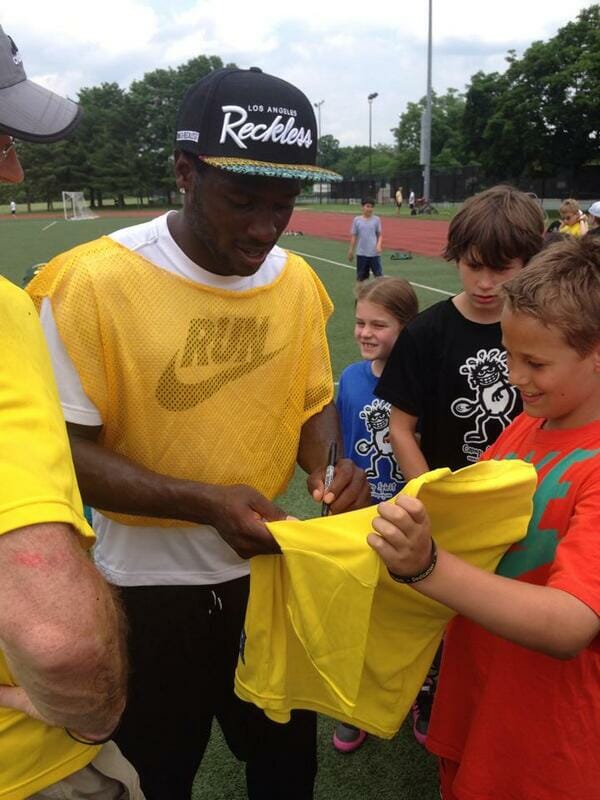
{"points": [[144, 556]]}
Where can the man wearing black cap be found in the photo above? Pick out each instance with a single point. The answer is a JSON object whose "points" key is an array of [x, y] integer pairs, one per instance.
{"points": [[195, 373], [62, 664]]}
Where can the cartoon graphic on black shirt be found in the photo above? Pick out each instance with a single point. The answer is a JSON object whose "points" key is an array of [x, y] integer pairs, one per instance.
{"points": [[494, 397], [377, 422]]}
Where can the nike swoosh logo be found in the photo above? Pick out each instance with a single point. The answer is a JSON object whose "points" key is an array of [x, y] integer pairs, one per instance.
{"points": [[176, 395]]}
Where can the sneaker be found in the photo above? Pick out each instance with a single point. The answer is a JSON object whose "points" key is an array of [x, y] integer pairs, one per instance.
{"points": [[421, 711], [347, 738]]}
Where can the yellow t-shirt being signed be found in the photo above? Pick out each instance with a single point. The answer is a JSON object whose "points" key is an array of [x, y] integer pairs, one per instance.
{"points": [[328, 629]]}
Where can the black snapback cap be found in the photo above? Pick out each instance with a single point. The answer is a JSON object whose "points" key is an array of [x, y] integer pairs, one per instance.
{"points": [[248, 122]]}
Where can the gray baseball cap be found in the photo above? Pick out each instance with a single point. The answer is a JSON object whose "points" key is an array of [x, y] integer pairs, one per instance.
{"points": [[27, 110]]}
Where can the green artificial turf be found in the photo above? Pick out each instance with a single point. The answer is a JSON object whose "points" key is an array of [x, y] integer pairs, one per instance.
{"points": [[33, 240]]}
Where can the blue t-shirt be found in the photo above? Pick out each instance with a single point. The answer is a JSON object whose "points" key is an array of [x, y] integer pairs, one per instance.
{"points": [[365, 421]]}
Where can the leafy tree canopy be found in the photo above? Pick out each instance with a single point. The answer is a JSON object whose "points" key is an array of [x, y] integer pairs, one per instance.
{"points": [[447, 146], [542, 115]]}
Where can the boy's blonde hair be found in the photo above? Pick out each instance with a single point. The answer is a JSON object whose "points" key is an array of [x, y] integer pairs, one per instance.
{"points": [[569, 206], [395, 294], [561, 288], [496, 226]]}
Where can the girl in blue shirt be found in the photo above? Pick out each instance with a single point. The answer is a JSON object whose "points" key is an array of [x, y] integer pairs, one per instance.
{"points": [[383, 307]]}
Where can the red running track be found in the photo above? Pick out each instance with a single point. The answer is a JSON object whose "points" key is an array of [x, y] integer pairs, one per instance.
{"points": [[427, 237], [424, 237]]}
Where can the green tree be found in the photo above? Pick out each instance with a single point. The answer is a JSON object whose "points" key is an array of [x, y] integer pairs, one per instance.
{"points": [[49, 168], [154, 102], [543, 114], [329, 151], [350, 161], [447, 144], [123, 144], [480, 103], [379, 165], [105, 142]]}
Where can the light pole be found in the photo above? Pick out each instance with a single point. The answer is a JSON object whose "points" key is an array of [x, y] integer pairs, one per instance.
{"points": [[318, 107], [426, 126], [370, 98]]}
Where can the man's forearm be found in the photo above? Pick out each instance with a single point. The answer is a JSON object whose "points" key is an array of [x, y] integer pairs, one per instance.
{"points": [[317, 434], [62, 631], [110, 481], [80, 686]]}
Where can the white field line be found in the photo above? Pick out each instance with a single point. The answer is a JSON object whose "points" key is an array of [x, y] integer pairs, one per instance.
{"points": [[348, 266], [49, 226]]}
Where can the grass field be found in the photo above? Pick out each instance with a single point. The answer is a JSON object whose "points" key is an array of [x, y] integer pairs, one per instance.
{"points": [[380, 770], [445, 210]]}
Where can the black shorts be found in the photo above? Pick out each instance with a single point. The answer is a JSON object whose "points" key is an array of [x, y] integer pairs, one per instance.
{"points": [[366, 264], [183, 648]]}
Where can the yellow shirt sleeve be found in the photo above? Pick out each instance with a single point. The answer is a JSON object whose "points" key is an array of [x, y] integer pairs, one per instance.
{"points": [[37, 484], [37, 478], [319, 389]]}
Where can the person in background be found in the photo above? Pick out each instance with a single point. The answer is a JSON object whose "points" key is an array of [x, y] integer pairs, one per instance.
{"points": [[383, 307], [366, 238], [399, 199], [62, 637], [572, 218]]}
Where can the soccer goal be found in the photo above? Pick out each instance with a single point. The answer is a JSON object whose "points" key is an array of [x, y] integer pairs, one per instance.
{"points": [[76, 207]]}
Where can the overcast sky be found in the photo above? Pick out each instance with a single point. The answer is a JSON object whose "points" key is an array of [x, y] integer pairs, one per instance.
{"points": [[334, 51]]}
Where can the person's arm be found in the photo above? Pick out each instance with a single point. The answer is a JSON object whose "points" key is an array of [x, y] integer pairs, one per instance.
{"points": [[113, 482], [62, 632], [542, 618], [407, 452], [60, 626], [351, 248], [379, 245], [407, 388], [350, 488]]}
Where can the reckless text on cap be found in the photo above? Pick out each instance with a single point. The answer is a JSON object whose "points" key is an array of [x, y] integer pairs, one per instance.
{"points": [[239, 129]]}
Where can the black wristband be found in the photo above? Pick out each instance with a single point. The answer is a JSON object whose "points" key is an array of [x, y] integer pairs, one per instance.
{"points": [[422, 575], [91, 742]]}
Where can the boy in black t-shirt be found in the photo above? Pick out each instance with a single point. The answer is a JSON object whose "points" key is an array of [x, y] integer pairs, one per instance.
{"points": [[448, 366]]}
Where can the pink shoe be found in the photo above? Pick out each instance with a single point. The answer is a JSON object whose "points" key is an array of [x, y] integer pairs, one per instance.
{"points": [[421, 711], [347, 738]]}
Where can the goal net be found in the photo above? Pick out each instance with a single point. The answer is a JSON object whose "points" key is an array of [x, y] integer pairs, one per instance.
{"points": [[76, 207]]}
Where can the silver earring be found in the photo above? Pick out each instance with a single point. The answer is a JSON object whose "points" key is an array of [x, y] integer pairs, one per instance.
{"points": [[181, 190]]}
